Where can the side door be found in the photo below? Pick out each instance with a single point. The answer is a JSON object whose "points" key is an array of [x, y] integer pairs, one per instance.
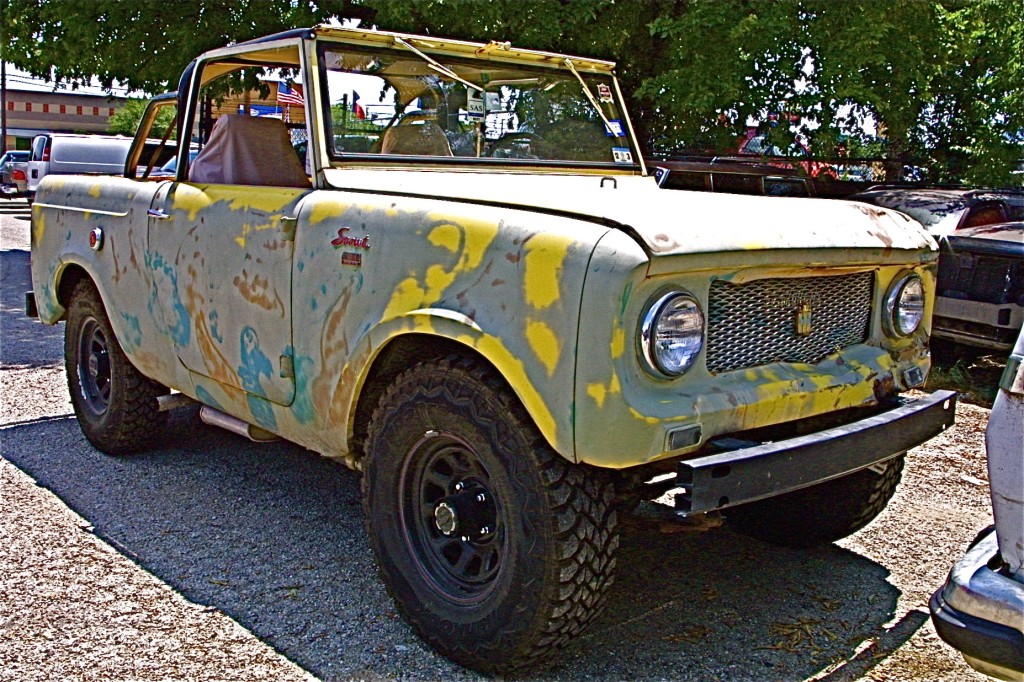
{"points": [[222, 262]]}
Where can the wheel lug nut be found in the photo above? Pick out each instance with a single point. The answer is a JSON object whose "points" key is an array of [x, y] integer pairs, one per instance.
{"points": [[481, 498], [465, 538], [485, 530], [460, 486]]}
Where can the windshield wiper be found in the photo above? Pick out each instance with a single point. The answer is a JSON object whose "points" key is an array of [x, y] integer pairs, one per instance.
{"points": [[436, 65], [590, 96]]}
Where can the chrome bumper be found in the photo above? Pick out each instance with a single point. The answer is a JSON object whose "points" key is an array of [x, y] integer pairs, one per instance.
{"points": [[980, 612]]}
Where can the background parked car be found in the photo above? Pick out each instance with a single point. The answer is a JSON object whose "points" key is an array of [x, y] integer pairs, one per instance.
{"points": [[63, 154], [732, 176], [13, 167], [980, 609], [943, 210], [980, 299]]}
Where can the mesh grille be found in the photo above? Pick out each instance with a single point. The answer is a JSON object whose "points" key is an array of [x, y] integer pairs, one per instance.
{"points": [[756, 323]]}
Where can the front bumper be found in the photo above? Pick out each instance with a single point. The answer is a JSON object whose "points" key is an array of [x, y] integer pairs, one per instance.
{"points": [[752, 471], [980, 612]]}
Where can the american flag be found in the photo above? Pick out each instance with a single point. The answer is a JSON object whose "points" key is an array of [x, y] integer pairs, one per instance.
{"points": [[289, 94]]}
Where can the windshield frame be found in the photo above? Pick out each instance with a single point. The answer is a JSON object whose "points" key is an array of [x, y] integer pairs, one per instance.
{"points": [[339, 159]]}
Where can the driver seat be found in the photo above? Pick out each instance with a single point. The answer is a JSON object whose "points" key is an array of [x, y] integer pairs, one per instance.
{"points": [[421, 138]]}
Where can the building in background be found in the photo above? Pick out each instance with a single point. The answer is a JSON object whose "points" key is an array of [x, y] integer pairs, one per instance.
{"points": [[33, 106]]}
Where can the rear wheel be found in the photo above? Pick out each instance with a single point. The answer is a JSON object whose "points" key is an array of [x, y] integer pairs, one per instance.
{"points": [[495, 549], [822, 513], [116, 406]]}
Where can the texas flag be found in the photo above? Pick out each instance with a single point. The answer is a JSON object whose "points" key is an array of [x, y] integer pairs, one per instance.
{"points": [[357, 108], [289, 94]]}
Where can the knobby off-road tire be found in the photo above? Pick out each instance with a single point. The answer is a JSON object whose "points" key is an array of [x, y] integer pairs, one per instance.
{"points": [[116, 406], [822, 513], [496, 550]]}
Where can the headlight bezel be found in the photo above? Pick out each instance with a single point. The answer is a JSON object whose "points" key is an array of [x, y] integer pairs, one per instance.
{"points": [[896, 307], [656, 307]]}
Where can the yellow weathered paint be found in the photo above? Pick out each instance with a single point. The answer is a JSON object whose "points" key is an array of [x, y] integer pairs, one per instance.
{"points": [[408, 295], [269, 199], [437, 280], [478, 236], [38, 225], [325, 210], [514, 372], [190, 200], [544, 343], [618, 345], [446, 236], [95, 191], [598, 392], [652, 421], [545, 254]]}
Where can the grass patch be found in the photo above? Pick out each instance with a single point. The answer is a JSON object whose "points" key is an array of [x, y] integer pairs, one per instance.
{"points": [[970, 372]]}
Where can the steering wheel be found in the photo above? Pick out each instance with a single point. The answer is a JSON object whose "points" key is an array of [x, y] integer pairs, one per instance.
{"points": [[515, 146]]}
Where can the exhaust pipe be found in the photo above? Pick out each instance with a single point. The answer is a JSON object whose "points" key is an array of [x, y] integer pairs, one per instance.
{"points": [[234, 425]]}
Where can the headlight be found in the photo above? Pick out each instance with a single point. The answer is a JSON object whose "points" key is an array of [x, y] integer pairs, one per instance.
{"points": [[904, 306], [672, 333]]}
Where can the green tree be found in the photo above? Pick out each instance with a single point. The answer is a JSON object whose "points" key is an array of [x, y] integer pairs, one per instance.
{"points": [[943, 80], [141, 44], [125, 120]]}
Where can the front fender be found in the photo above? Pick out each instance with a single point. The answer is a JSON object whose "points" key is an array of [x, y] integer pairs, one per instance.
{"points": [[505, 353]]}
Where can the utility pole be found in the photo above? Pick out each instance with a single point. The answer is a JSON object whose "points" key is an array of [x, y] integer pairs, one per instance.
{"points": [[3, 106]]}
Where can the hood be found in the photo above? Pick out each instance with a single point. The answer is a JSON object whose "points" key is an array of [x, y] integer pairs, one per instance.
{"points": [[1004, 239], [668, 222]]}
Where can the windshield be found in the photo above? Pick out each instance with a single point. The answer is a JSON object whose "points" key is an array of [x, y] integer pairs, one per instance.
{"points": [[410, 104]]}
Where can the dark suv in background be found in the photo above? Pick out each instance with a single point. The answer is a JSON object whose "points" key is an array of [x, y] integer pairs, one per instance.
{"points": [[980, 298]]}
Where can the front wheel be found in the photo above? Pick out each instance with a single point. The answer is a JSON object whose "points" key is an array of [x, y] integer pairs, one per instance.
{"points": [[115, 404], [822, 513], [495, 549]]}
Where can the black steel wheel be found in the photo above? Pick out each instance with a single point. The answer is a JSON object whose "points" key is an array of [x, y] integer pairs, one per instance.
{"points": [[495, 549], [450, 521], [822, 513], [115, 405]]}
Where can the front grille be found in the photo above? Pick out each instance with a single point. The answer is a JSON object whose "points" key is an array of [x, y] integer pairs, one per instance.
{"points": [[988, 279], [756, 323]]}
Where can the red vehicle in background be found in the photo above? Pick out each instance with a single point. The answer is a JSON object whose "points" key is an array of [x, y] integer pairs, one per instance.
{"points": [[757, 144]]}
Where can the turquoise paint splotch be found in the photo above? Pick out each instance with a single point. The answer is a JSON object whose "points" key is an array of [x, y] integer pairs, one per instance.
{"points": [[302, 407], [181, 330], [132, 339], [255, 365], [206, 398]]}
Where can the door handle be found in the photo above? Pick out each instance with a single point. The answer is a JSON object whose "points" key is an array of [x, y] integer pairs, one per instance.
{"points": [[158, 213]]}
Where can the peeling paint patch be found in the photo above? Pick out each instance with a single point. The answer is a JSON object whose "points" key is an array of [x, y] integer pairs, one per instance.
{"points": [[446, 236], [618, 344], [545, 255], [544, 343], [652, 421]]}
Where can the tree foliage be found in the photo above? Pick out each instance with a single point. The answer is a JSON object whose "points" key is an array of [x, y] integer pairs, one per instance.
{"points": [[125, 120], [941, 79]]}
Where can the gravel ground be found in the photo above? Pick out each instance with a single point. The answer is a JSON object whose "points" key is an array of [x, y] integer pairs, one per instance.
{"points": [[215, 558]]}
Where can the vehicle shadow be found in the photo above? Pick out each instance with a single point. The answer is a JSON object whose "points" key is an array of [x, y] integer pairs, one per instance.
{"points": [[24, 341], [272, 535]]}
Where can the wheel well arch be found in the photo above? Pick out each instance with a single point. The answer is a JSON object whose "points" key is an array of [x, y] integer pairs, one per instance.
{"points": [[399, 354], [66, 283]]}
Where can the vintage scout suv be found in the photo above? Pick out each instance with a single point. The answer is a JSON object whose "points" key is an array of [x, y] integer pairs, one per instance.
{"points": [[446, 265]]}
